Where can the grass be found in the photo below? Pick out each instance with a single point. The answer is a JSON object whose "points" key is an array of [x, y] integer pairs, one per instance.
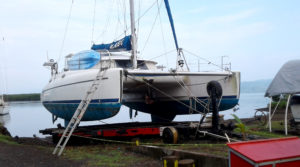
{"points": [[103, 155], [214, 149], [7, 140], [263, 131]]}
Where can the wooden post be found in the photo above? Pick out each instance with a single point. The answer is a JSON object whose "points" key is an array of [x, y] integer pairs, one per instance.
{"points": [[285, 116], [186, 163], [170, 161], [270, 115]]}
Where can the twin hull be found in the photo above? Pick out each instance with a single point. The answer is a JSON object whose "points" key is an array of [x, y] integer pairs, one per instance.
{"points": [[66, 90], [165, 94]]}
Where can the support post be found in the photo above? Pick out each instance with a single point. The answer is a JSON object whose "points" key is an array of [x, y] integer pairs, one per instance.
{"points": [[270, 115], [133, 35], [285, 116], [215, 113]]}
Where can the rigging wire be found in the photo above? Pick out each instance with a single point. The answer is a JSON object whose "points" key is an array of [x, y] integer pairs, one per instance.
{"points": [[93, 25], [209, 62], [146, 42], [107, 22], [162, 32], [147, 10], [124, 17], [188, 91], [164, 93], [65, 32], [118, 24], [168, 52], [138, 22]]}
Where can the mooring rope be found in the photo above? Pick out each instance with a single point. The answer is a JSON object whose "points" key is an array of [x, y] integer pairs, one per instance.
{"points": [[149, 144]]}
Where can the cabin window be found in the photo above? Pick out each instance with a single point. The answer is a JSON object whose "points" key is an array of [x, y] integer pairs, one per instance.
{"points": [[128, 64]]}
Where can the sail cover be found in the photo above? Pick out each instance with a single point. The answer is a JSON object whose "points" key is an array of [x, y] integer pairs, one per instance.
{"points": [[83, 60], [286, 81], [123, 44]]}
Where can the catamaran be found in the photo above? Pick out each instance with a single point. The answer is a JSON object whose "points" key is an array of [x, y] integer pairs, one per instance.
{"points": [[137, 83]]}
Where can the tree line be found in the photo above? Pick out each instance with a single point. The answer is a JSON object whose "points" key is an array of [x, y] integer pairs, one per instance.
{"points": [[22, 97]]}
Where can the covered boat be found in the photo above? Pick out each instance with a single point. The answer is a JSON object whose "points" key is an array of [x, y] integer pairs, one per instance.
{"points": [[287, 82]]}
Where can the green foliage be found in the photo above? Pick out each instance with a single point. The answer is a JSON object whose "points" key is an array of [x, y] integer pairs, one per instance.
{"points": [[266, 134], [22, 97], [7, 140], [242, 127], [281, 105]]}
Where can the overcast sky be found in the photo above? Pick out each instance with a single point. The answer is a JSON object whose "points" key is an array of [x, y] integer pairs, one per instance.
{"points": [[257, 36]]}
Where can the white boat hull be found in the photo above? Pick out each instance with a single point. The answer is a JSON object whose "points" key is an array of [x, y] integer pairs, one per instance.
{"points": [[3, 110], [173, 93], [66, 90]]}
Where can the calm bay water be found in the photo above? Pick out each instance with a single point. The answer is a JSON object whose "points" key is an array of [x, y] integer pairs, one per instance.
{"points": [[27, 118]]}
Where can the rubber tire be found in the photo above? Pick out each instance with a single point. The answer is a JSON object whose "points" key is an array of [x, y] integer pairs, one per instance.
{"points": [[170, 135], [214, 87]]}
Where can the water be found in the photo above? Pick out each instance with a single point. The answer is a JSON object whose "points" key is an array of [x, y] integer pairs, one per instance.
{"points": [[27, 118]]}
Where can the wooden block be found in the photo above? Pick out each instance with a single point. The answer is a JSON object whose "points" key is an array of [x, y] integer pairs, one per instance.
{"points": [[170, 161], [186, 163]]}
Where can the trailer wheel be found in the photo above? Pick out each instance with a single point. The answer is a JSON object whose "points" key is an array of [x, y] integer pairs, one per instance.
{"points": [[170, 135]]}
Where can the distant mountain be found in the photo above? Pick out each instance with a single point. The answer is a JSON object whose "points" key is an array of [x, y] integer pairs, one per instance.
{"points": [[258, 86]]}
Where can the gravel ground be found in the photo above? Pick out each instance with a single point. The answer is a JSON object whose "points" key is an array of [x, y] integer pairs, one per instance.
{"points": [[28, 155]]}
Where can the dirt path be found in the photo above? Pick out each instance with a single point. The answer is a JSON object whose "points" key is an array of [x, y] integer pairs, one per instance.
{"points": [[30, 156]]}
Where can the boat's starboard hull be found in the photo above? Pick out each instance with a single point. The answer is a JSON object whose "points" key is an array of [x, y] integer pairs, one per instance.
{"points": [[179, 93]]}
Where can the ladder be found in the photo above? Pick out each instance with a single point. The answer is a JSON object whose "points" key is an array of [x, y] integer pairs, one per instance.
{"points": [[75, 120]]}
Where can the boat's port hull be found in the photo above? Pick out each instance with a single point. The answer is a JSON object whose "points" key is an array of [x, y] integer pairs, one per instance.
{"points": [[95, 111], [64, 93]]}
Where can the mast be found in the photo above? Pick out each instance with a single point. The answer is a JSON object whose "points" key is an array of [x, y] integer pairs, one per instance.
{"points": [[133, 36], [180, 62], [172, 24]]}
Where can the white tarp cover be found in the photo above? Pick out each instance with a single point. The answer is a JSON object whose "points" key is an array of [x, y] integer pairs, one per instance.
{"points": [[286, 81]]}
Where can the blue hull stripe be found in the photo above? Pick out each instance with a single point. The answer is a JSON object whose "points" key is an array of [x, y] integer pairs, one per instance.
{"points": [[95, 111], [223, 97]]}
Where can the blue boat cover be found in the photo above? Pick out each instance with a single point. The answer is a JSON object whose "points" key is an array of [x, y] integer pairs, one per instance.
{"points": [[84, 60], [120, 45]]}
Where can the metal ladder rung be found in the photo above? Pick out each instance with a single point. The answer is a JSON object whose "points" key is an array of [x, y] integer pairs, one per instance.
{"points": [[77, 115]]}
